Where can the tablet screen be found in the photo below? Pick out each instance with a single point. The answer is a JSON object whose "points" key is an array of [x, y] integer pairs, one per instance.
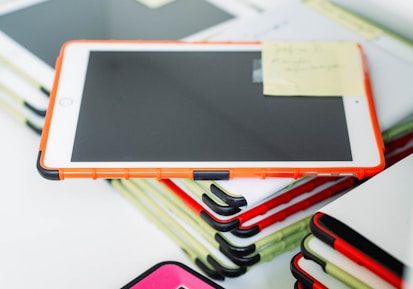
{"points": [[44, 27], [199, 106]]}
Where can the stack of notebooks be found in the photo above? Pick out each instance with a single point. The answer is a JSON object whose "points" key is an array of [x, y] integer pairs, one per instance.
{"points": [[361, 240]]}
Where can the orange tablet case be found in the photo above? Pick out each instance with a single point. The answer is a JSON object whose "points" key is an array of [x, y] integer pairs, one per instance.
{"points": [[202, 173]]}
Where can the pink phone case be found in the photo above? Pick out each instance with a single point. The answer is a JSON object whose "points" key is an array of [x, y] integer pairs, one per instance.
{"points": [[171, 275]]}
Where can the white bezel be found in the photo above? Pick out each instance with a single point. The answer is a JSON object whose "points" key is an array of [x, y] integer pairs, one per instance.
{"points": [[68, 98]]}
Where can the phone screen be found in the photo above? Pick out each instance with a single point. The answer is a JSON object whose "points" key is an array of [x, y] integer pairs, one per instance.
{"points": [[199, 106]]}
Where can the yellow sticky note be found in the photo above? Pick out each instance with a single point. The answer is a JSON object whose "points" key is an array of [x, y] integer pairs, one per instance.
{"points": [[312, 68], [153, 4]]}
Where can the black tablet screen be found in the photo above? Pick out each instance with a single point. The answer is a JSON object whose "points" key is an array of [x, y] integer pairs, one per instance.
{"points": [[199, 106]]}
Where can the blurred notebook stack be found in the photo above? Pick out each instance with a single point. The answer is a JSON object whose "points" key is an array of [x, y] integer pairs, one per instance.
{"points": [[366, 247], [23, 93], [228, 245]]}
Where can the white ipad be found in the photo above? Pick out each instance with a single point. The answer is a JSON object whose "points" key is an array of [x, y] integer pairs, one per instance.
{"points": [[123, 109]]}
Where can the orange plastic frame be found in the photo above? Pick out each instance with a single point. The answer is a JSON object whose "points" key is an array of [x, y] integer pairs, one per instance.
{"points": [[201, 173]]}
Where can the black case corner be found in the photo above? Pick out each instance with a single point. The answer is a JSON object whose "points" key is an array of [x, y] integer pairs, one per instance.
{"points": [[47, 174]]}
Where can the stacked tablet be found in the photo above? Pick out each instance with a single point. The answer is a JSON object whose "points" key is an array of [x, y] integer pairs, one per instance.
{"points": [[361, 240], [227, 246], [23, 92]]}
